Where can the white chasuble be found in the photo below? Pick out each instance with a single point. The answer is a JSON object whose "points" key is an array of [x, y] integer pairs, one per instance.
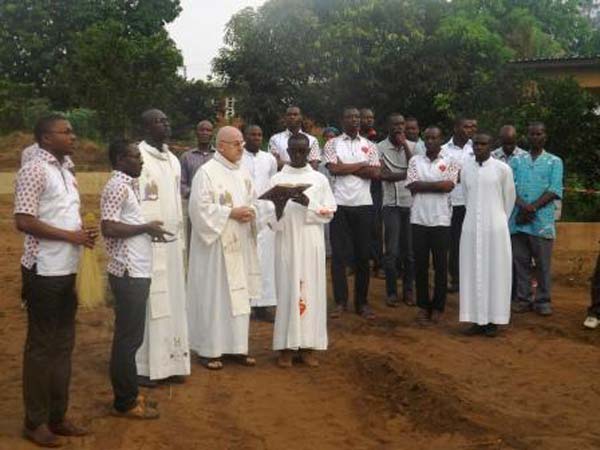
{"points": [[165, 350], [224, 272], [300, 272], [485, 248]]}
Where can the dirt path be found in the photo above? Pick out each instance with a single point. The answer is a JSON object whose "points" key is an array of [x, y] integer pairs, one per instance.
{"points": [[383, 385]]}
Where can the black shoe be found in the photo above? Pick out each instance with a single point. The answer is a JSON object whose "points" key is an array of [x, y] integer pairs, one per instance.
{"points": [[146, 382], [491, 330], [474, 330]]}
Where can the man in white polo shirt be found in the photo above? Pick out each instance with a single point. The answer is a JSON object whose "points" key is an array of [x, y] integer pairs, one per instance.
{"points": [[47, 211], [459, 148], [278, 143], [262, 166], [353, 161], [128, 239], [430, 178]]}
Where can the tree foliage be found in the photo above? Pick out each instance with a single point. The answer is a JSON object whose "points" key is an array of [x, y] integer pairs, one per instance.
{"points": [[430, 58], [113, 56]]}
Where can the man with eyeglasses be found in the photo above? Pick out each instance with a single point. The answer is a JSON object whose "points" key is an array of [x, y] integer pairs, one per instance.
{"points": [[164, 355], [224, 271], [47, 211]]}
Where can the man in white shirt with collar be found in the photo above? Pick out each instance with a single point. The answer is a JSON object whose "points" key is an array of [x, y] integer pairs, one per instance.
{"points": [[458, 148], [278, 143], [164, 355], [262, 166], [128, 238], [430, 178], [353, 161], [47, 211]]}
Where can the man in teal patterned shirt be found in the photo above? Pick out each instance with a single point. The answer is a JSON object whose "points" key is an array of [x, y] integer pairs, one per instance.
{"points": [[539, 182]]}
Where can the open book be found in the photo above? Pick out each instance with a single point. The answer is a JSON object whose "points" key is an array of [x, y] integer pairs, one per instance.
{"points": [[281, 193]]}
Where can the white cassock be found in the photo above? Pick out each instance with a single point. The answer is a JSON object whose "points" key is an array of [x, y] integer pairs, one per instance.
{"points": [[262, 166], [224, 272], [165, 351], [485, 248], [300, 273]]}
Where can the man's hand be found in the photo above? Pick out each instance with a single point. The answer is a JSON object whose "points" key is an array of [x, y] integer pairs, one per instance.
{"points": [[242, 214], [301, 199], [157, 232], [529, 208], [86, 237]]}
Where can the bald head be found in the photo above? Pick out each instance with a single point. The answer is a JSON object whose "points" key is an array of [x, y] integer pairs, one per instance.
{"points": [[230, 143], [156, 126], [508, 139]]}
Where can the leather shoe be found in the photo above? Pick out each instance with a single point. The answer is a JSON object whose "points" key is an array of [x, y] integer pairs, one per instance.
{"points": [[42, 436], [67, 428]]}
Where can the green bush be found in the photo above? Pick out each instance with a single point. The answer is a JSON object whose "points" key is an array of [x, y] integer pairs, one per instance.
{"points": [[85, 123]]}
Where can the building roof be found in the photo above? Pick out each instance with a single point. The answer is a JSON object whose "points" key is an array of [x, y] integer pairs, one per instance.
{"points": [[560, 62]]}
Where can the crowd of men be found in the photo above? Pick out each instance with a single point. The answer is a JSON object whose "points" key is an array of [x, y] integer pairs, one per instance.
{"points": [[193, 250]]}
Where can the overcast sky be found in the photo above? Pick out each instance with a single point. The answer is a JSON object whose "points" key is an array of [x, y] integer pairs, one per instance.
{"points": [[198, 31]]}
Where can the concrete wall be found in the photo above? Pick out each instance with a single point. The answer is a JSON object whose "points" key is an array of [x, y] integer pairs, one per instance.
{"points": [[575, 248]]}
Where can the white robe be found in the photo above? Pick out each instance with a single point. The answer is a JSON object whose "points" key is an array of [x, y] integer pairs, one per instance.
{"points": [[262, 166], [300, 273], [214, 329], [485, 248], [165, 351]]}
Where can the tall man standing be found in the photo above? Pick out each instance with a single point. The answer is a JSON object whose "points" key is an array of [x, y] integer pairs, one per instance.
{"points": [[460, 149], [128, 241], [278, 143], [262, 166], [395, 151], [354, 162], [164, 355], [47, 211], [485, 252], [431, 177], [224, 272], [539, 181]]}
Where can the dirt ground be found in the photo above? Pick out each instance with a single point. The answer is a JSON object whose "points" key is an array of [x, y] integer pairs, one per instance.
{"points": [[381, 385]]}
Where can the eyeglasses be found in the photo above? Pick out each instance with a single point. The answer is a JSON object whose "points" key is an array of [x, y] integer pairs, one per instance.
{"points": [[235, 143]]}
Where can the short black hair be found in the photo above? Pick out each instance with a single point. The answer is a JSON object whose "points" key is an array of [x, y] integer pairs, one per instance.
{"points": [[118, 148], [537, 124], [411, 119], [462, 118], [44, 123], [394, 114], [299, 137], [348, 108], [247, 128]]}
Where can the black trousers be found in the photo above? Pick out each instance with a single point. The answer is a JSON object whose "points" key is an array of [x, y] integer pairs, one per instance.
{"points": [[434, 241], [377, 224], [594, 309], [398, 247], [51, 309], [350, 230], [458, 217], [131, 296]]}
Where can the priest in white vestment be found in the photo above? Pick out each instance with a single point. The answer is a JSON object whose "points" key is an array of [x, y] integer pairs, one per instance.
{"points": [[300, 271], [224, 272], [485, 248], [165, 351], [262, 166]]}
